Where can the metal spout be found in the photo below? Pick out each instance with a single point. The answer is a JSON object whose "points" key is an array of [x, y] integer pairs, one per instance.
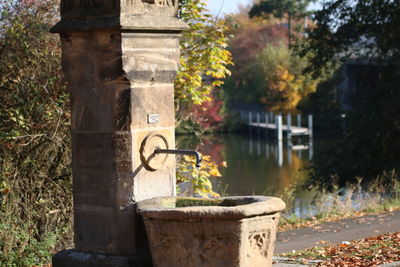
{"points": [[182, 152]]}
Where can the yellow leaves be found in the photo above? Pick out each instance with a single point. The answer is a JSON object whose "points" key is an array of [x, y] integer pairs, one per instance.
{"points": [[215, 172], [204, 59], [289, 89], [206, 158], [199, 177], [284, 75], [188, 159], [286, 85]]}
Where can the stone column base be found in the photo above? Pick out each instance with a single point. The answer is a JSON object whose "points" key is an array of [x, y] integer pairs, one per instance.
{"points": [[73, 258]]}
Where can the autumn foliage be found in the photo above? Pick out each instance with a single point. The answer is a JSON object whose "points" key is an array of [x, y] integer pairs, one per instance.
{"points": [[198, 178], [266, 72], [370, 251], [203, 65], [251, 37], [208, 114], [286, 90]]}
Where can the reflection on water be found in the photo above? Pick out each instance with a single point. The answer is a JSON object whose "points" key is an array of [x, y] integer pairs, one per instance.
{"points": [[276, 150], [259, 166]]}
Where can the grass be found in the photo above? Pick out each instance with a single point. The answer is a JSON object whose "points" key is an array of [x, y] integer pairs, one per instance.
{"points": [[340, 203]]}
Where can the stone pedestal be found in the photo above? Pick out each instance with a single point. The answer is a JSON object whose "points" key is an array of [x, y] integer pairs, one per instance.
{"points": [[120, 58], [232, 231], [68, 258]]}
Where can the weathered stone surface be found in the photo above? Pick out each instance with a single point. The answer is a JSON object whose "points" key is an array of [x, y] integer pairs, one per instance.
{"points": [[89, 8], [99, 8], [101, 109], [240, 232], [93, 60], [141, 135], [68, 258], [105, 189], [94, 228], [144, 41], [120, 59], [89, 192], [96, 40], [102, 152], [150, 160], [160, 182], [258, 237], [126, 14], [109, 230], [233, 207], [153, 100], [198, 243]]}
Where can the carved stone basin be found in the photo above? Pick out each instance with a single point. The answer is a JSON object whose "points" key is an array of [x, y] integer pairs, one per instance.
{"points": [[232, 231]]}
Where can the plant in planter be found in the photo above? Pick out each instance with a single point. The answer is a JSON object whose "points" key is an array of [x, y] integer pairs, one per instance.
{"points": [[232, 231]]}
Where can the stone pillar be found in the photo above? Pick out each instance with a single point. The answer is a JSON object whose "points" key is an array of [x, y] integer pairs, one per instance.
{"points": [[120, 58]]}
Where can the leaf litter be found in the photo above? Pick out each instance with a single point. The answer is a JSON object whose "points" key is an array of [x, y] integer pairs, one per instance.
{"points": [[370, 251]]}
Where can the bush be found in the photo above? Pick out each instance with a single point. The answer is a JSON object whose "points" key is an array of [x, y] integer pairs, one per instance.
{"points": [[35, 176]]}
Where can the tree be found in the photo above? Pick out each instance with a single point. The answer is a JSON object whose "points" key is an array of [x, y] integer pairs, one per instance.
{"points": [[285, 85], [251, 37], [204, 57], [280, 9], [366, 29], [266, 71], [366, 32]]}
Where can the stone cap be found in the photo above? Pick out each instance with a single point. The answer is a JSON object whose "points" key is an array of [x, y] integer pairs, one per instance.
{"points": [[132, 15], [165, 208]]}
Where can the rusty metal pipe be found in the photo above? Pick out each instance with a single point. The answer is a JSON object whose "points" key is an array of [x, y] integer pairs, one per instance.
{"points": [[182, 152]]}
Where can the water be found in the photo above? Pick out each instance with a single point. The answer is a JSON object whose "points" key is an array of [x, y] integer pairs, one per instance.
{"points": [[261, 166]]}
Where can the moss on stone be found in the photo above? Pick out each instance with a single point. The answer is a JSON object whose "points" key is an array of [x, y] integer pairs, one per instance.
{"points": [[197, 202]]}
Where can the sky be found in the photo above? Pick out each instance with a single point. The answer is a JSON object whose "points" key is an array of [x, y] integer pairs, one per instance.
{"points": [[230, 6]]}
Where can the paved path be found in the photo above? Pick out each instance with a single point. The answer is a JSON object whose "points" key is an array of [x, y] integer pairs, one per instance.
{"points": [[337, 232]]}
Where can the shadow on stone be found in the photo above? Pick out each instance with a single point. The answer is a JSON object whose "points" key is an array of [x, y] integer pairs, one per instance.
{"points": [[68, 258]]}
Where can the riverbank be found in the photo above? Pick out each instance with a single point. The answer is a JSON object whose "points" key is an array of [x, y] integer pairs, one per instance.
{"points": [[341, 203]]}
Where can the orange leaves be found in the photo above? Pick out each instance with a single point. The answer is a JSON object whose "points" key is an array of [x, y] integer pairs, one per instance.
{"points": [[343, 245], [282, 78], [371, 251], [286, 85], [288, 88]]}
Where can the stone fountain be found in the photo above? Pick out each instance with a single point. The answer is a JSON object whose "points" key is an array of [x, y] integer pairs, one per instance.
{"points": [[120, 59]]}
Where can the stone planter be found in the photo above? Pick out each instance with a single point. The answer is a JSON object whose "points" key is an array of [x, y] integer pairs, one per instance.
{"points": [[233, 231]]}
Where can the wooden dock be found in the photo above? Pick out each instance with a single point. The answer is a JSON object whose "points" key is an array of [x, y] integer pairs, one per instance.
{"points": [[273, 122], [294, 130]]}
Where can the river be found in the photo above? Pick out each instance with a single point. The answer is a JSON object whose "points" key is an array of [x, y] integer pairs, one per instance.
{"points": [[257, 165]]}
